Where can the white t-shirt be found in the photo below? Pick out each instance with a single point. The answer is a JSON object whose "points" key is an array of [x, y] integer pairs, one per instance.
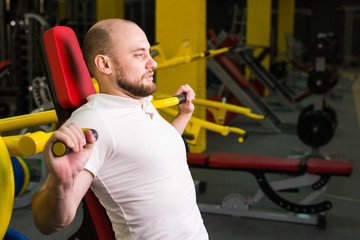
{"points": [[141, 175]]}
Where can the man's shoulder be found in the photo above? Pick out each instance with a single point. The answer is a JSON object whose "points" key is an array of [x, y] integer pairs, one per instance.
{"points": [[88, 109]]}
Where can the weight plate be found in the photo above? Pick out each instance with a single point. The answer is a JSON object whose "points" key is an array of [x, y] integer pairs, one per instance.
{"points": [[319, 82], [316, 128]]}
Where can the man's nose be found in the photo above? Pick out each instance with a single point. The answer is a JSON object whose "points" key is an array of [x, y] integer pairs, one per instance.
{"points": [[151, 64]]}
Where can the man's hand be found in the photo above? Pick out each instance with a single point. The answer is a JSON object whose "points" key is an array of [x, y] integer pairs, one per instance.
{"points": [[185, 110], [55, 202], [188, 106], [66, 168]]}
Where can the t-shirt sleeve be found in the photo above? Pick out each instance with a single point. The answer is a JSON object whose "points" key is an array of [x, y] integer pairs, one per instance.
{"points": [[88, 118]]}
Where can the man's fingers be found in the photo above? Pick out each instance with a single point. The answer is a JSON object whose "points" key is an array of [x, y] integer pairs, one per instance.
{"points": [[186, 89], [72, 136], [91, 136]]}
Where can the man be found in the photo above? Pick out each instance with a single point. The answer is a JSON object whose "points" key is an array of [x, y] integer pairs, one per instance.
{"points": [[137, 167]]}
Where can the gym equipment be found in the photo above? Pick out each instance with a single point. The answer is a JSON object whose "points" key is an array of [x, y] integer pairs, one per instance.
{"points": [[4, 68], [41, 94], [218, 110], [58, 50], [317, 123], [175, 22], [195, 124], [60, 149], [33, 143], [14, 235], [244, 55], [27, 175], [28, 120], [22, 177], [18, 175], [25, 65], [285, 29], [7, 188], [7, 107], [283, 93], [30, 144], [258, 26], [235, 82], [183, 56], [292, 174], [172, 101], [319, 82], [158, 54], [316, 127]]}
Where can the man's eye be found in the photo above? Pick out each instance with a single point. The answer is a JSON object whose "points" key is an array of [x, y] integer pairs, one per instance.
{"points": [[139, 55]]}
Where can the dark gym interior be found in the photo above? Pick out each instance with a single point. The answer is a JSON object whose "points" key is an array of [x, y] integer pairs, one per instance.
{"points": [[294, 176]]}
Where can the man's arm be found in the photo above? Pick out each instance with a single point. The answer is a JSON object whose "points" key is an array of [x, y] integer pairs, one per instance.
{"points": [[185, 110], [54, 205]]}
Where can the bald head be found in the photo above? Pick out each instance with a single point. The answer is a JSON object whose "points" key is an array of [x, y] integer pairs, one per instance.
{"points": [[100, 40]]}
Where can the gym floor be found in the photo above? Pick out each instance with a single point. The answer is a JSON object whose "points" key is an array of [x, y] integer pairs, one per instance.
{"points": [[341, 221]]}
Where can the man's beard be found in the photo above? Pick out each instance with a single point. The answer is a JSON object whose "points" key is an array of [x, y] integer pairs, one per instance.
{"points": [[136, 89]]}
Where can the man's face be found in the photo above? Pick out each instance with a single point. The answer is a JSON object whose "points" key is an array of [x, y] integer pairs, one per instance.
{"points": [[137, 87], [133, 65]]}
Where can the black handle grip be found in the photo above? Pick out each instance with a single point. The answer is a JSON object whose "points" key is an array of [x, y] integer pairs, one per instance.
{"points": [[59, 148], [182, 98]]}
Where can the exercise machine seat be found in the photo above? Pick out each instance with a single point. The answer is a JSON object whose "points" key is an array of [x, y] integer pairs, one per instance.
{"points": [[334, 167], [244, 161], [197, 158], [70, 83]]}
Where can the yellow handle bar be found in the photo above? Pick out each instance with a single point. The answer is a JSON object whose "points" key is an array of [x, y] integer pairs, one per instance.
{"points": [[169, 102], [28, 144], [195, 124], [28, 120], [33, 143], [219, 108], [190, 57], [229, 107]]}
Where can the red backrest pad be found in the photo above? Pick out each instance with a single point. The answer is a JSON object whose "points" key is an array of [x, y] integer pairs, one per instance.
{"points": [[72, 83], [70, 74]]}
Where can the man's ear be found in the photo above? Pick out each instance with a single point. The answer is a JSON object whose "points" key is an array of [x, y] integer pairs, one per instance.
{"points": [[103, 64]]}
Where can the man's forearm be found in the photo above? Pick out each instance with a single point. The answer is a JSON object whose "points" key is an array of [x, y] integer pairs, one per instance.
{"points": [[53, 207], [180, 122]]}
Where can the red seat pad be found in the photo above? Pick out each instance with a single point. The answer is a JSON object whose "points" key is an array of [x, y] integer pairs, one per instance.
{"points": [[320, 165], [230, 160], [99, 216], [70, 75], [198, 158]]}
